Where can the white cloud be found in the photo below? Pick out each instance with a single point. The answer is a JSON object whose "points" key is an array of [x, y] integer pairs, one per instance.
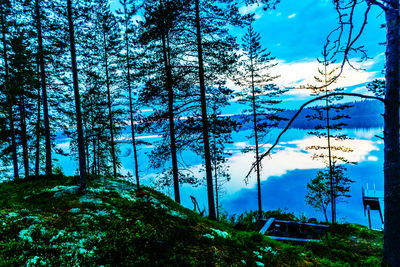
{"points": [[299, 73], [292, 16], [249, 9], [254, 8]]}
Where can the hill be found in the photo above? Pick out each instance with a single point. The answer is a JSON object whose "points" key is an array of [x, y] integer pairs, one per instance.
{"points": [[363, 114], [46, 222]]}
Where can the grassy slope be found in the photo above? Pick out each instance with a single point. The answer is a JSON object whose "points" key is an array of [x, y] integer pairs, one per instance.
{"points": [[45, 222]]}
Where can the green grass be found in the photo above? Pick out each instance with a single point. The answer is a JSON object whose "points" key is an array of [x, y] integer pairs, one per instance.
{"points": [[45, 222]]}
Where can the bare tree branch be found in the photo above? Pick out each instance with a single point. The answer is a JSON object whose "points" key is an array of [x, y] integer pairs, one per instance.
{"points": [[298, 113]]}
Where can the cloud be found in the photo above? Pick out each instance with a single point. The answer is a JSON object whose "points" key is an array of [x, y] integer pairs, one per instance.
{"points": [[292, 16], [249, 9], [295, 74], [253, 8]]}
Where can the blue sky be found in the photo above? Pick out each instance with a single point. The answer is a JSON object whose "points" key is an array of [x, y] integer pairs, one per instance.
{"points": [[295, 33], [296, 30]]}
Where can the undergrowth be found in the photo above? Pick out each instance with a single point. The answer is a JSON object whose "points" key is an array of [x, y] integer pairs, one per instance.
{"points": [[47, 222]]}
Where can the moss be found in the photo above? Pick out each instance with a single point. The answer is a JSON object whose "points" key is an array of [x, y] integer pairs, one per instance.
{"points": [[114, 223]]}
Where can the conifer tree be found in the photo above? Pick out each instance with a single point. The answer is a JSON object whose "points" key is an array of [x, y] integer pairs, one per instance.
{"points": [[210, 21], [108, 28], [221, 128], [5, 6], [40, 52], [127, 15], [81, 145], [160, 87], [329, 122], [260, 94], [22, 90]]}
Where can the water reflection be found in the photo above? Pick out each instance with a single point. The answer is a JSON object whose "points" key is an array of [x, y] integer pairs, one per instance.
{"points": [[284, 174]]}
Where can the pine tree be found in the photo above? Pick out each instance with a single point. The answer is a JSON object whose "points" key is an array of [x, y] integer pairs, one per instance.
{"points": [[4, 11], [329, 123], [157, 38], [260, 94], [109, 30], [129, 10], [22, 90], [221, 128], [43, 84], [215, 49], [81, 145]]}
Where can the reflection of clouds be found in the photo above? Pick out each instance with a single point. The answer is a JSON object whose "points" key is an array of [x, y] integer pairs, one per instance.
{"points": [[372, 158], [360, 148], [129, 138], [63, 145], [292, 158], [367, 133], [241, 144]]}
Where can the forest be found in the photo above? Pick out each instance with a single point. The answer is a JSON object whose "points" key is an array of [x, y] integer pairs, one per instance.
{"points": [[104, 74]]}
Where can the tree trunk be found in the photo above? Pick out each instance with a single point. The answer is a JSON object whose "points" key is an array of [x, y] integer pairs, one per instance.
{"points": [[326, 216], [44, 90], [38, 135], [24, 138], [255, 134], [332, 185], [94, 155], [81, 145], [98, 154], [167, 67], [391, 251], [215, 163], [9, 97], [210, 191], [86, 142], [130, 99], [110, 117]]}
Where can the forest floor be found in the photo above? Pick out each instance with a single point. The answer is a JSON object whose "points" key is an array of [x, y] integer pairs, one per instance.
{"points": [[45, 222]]}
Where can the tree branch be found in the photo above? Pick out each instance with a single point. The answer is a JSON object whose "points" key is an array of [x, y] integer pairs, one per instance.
{"points": [[298, 113]]}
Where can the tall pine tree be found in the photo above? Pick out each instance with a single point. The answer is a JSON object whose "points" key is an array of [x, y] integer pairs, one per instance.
{"points": [[260, 94]]}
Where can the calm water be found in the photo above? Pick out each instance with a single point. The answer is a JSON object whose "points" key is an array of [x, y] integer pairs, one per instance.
{"points": [[284, 174]]}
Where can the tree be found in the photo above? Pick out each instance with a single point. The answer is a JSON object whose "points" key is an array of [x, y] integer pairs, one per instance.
{"points": [[129, 10], [4, 9], [44, 89], [22, 87], [377, 87], [156, 37], [81, 145], [331, 118], [210, 21], [346, 9], [260, 94], [319, 192], [221, 128], [345, 44], [110, 39]]}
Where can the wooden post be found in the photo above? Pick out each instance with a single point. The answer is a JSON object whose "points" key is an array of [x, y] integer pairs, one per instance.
{"points": [[369, 216]]}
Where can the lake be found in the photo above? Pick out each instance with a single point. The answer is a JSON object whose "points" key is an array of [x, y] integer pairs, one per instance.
{"points": [[284, 174]]}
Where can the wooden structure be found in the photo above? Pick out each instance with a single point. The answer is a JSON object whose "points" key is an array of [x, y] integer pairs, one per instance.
{"points": [[293, 231], [371, 201]]}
